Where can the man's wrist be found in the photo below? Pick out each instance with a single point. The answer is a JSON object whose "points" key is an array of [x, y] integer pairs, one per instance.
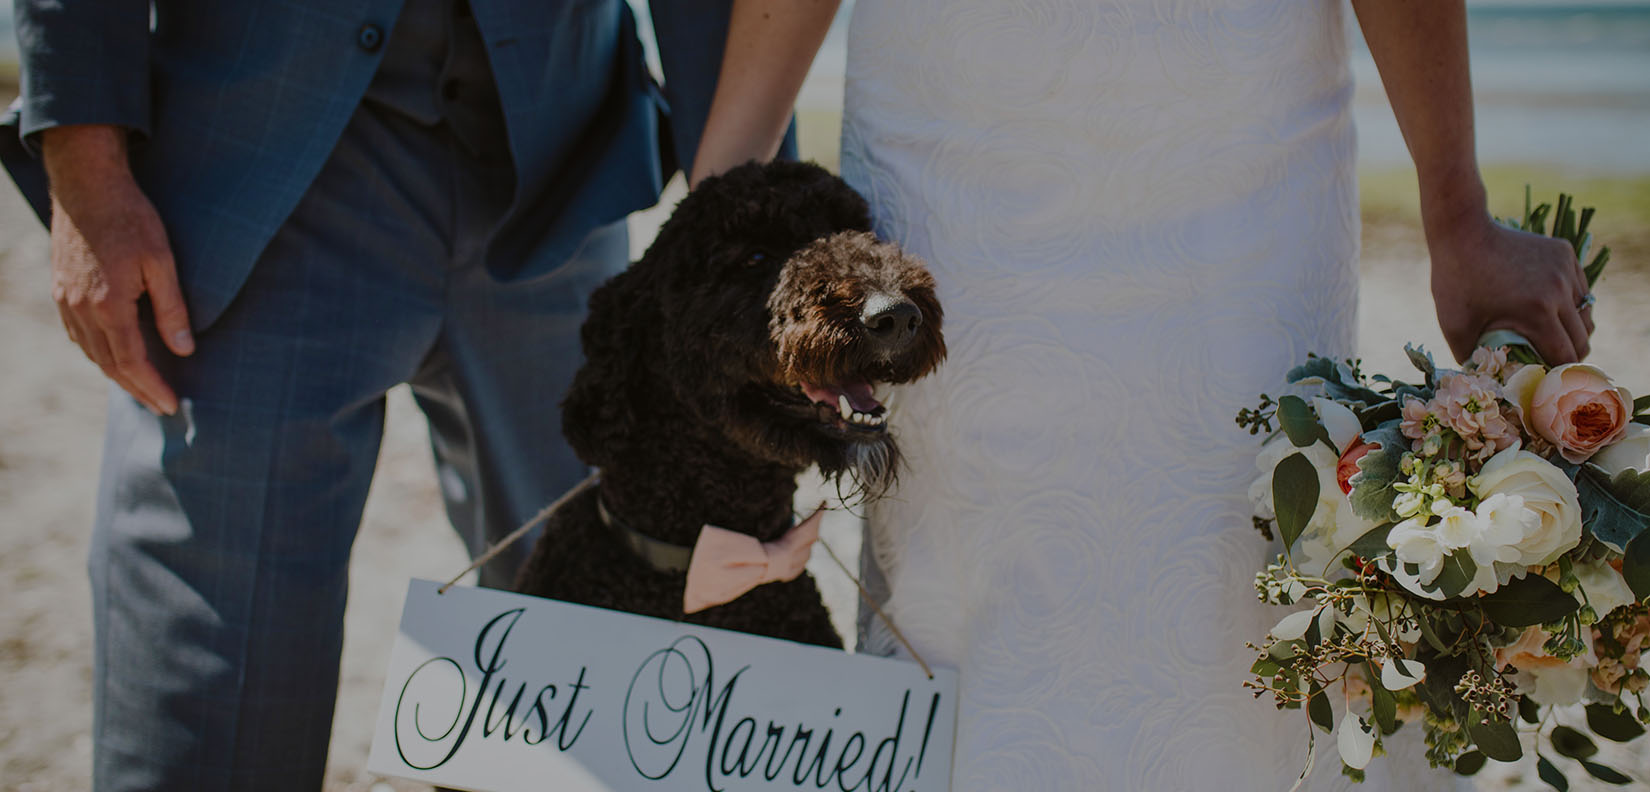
{"points": [[84, 149], [85, 161]]}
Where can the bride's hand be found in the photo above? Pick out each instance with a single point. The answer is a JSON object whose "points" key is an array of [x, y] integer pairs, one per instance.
{"points": [[1486, 276]]}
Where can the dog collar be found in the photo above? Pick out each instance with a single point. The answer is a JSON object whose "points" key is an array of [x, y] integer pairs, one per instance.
{"points": [[661, 555]]}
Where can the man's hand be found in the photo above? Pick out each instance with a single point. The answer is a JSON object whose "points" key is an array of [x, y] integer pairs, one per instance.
{"points": [[109, 248], [1486, 276]]}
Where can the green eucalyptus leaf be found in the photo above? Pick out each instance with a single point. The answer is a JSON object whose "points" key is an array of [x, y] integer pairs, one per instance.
{"points": [[1431, 635], [1298, 422], [1378, 470], [1294, 496], [1641, 404], [1528, 710], [1547, 772], [1384, 707], [1569, 742], [1526, 601], [1469, 763], [1614, 510], [1611, 725], [1497, 739], [1373, 543], [1318, 709], [1456, 575], [1608, 775], [1635, 566]]}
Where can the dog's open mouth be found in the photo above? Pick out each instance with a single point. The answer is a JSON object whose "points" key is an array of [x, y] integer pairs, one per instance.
{"points": [[847, 406]]}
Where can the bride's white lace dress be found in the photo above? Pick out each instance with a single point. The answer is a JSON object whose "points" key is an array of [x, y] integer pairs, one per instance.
{"points": [[1140, 213]]}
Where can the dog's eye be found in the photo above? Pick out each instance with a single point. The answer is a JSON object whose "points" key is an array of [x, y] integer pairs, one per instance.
{"points": [[758, 258]]}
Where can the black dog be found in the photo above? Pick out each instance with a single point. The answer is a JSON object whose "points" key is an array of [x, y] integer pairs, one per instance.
{"points": [[741, 349]]}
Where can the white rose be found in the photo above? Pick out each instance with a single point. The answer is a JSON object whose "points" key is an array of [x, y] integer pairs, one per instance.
{"points": [[1606, 588], [1546, 491], [1631, 451]]}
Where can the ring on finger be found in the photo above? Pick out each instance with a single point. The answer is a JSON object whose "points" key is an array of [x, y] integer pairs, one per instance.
{"points": [[1587, 301]]}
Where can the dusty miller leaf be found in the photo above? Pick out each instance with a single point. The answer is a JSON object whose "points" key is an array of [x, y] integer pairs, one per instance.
{"points": [[1378, 470], [1614, 510]]}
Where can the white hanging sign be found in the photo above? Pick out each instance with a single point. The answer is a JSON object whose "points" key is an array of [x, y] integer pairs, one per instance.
{"points": [[495, 692]]}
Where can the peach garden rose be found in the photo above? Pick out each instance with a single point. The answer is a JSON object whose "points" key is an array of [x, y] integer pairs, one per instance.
{"points": [[1574, 406]]}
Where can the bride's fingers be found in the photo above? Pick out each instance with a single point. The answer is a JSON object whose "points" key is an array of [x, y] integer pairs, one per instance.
{"points": [[1577, 332], [1549, 337]]}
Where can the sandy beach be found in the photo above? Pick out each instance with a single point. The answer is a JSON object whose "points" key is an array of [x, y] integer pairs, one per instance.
{"points": [[50, 435]]}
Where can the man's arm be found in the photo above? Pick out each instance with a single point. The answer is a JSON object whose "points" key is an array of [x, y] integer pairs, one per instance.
{"points": [[771, 44], [109, 248], [84, 62], [1484, 276], [85, 86]]}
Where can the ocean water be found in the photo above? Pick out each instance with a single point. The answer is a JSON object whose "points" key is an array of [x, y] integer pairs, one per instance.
{"points": [[1564, 84]]}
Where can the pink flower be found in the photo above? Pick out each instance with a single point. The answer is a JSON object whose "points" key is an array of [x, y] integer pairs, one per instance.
{"points": [[1418, 420], [1632, 634], [1547, 678], [1575, 407], [1471, 407], [1348, 466], [1492, 363]]}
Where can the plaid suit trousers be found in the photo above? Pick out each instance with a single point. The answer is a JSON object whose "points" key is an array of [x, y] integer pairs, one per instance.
{"points": [[223, 533]]}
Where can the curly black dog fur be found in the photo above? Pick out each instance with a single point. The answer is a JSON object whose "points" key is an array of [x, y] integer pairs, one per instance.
{"points": [[709, 365]]}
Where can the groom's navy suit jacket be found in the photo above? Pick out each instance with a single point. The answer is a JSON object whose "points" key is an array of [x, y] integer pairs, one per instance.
{"points": [[235, 104]]}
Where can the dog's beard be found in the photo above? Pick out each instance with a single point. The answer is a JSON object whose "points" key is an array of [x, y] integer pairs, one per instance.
{"points": [[869, 471]]}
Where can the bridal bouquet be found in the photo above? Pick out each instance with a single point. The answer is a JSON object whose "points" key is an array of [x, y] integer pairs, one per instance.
{"points": [[1464, 552]]}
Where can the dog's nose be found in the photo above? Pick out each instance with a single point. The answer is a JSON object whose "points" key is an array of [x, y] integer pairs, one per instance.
{"points": [[890, 320]]}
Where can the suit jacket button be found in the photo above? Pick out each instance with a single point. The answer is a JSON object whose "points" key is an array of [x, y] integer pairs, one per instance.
{"points": [[370, 37]]}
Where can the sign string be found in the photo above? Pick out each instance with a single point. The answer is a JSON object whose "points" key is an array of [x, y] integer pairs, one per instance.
{"points": [[517, 534], [877, 609], [590, 481]]}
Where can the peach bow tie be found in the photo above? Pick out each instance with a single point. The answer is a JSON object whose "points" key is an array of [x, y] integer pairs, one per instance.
{"points": [[726, 564]]}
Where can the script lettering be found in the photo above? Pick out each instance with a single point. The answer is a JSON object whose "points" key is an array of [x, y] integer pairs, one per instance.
{"points": [[443, 679], [674, 696]]}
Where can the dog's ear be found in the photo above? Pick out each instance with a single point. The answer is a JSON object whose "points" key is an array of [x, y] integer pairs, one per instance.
{"points": [[599, 405]]}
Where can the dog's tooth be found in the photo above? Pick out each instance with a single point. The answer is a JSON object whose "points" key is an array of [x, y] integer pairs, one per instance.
{"points": [[843, 406]]}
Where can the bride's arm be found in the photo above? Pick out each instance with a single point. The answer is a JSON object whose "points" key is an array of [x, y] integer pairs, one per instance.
{"points": [[1484, 276], [770, 45]]}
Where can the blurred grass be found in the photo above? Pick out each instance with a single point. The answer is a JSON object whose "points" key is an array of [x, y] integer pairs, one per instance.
{"points": [[1626, 198], [1390, 197]]}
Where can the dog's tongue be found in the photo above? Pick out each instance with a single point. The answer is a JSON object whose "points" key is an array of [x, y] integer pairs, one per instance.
{"points": [[858, 393]]}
